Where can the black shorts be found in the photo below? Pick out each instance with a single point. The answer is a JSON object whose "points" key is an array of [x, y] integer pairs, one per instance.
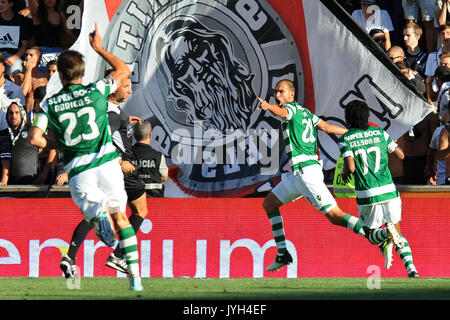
{"points": [[134, 186]]}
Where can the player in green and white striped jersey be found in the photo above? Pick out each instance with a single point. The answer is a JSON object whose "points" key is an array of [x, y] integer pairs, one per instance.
{"points": [[78, 122], [365, 151], [306, 179]]}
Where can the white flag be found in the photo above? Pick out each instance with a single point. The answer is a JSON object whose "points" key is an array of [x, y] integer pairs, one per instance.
{"points": [[198, 67]]}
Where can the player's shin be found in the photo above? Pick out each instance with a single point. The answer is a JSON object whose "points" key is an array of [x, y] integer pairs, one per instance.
{"points": [[136, 222], [128, 243], [407, 259], [378, 236], [352, 223], [278, 231]]}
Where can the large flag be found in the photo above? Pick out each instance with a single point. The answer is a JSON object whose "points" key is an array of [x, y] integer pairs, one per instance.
{"points": [[198, 67]]}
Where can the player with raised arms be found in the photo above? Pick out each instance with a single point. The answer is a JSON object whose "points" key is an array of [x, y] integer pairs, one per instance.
{"points": [[78, 126]]}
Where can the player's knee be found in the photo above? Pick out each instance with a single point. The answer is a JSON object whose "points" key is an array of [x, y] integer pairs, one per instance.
{"points": [[268, 205], [120, 220], [139, 206], [142, 212], [271, 203]]}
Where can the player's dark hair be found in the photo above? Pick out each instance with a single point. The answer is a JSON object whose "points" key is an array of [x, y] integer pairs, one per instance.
{"points": [[70, 65], [357, 115]]}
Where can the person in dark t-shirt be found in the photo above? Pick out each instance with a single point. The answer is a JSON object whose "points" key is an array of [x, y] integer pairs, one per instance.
{"points": [[19, 158]]}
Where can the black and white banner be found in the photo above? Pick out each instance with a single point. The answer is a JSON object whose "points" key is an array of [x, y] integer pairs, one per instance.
{"points": [[198, 67]]}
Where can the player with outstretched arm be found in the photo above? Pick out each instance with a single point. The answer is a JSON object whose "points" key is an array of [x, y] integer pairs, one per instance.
{"points": [[306, 179]]}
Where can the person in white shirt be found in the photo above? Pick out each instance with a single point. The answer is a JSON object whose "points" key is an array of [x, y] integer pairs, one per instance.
{"points": [[437, 168], [433, 61], [442, 80], [9, 92], [370, 16]]}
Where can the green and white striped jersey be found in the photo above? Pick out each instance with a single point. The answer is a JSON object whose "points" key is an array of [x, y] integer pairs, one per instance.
{"points": [[77, 115], [300, 136], [369, 148]]}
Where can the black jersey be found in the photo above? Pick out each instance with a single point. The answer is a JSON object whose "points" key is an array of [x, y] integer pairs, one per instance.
{"points": [[24, 157], [121, 131], [149, 162], [122, 134]]}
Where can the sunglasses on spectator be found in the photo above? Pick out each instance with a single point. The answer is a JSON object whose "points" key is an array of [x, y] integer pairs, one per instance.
{"points": [[380, 39], [398, 57]]}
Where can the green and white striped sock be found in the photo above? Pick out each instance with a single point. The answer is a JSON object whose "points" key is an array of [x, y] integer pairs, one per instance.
{"points": [[378, 236], [352, 223], [278, 231], [406, 256], [128, 243]]}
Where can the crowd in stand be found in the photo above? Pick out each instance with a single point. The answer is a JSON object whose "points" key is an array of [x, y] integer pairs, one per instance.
{"points": [[414, 34], [32, 34]]}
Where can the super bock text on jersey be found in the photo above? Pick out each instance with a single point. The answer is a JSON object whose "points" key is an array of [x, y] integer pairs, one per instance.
{"points": [[77, 115], [369, 148]]}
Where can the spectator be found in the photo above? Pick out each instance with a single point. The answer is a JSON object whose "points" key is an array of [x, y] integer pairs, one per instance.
{"points": [[426, 7], [396, 54], [9, 92], [38, 96], [371, 17], [444, 146], [416, 57], [437, 169], [32, 77], [378, 36], [442, 80], [442, 11], [433, 61], [18, 157], [50, 69], [416, 143], [413, 77], [15, 31], [444, 59], [151, 163], [49, 27]]}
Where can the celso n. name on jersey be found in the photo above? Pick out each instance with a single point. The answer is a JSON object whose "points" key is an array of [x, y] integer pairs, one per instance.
{"points": [[300, 136], [369, 148], [77, 116]]}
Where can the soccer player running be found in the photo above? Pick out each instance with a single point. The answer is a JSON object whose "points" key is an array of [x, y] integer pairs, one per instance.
{"points": [[79, 127], [122, 134], [365, 152], [299, 127]]}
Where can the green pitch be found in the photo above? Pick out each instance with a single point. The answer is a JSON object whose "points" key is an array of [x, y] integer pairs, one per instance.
{"points": [[106, 288]]}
